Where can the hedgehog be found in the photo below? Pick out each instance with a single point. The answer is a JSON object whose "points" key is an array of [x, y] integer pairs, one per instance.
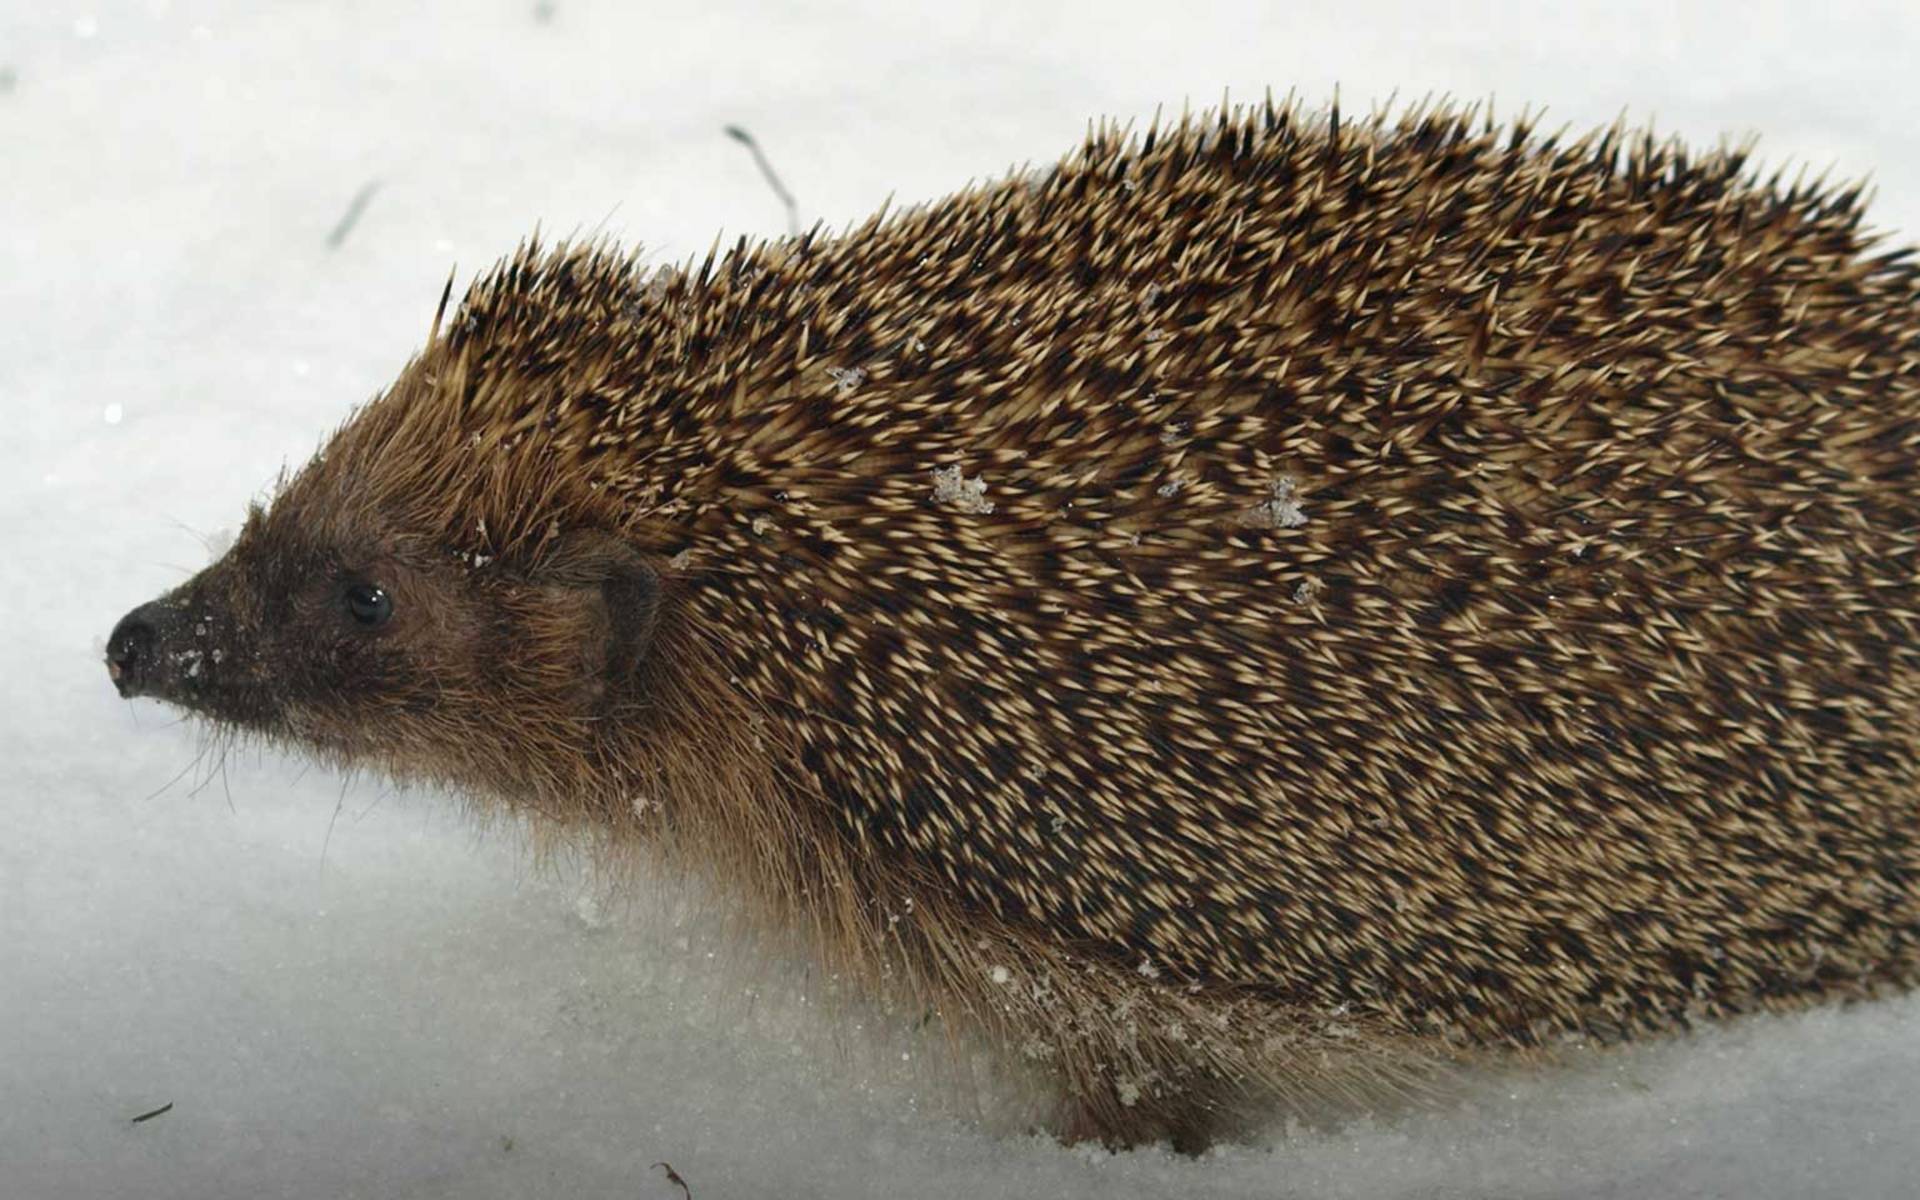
{"points": [[1242, 618]]}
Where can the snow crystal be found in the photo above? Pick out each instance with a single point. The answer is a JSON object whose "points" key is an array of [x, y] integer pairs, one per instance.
{"points": [[112, 413], [965, 495], [845, 379], [1281, 510], [591, 912]]}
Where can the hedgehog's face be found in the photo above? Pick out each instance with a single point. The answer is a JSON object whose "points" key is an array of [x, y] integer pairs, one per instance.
{"points": [[378, 645]]}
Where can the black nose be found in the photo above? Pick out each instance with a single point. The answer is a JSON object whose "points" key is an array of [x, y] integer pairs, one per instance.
{"points": [[130, 648]]}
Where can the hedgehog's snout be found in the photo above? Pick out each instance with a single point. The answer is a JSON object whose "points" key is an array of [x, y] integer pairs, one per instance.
{"points": [[159, 650], [131, 648]]}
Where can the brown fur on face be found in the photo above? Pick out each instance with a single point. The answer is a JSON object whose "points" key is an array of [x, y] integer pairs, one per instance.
{"points": [[1245, 609], [266, 640]]}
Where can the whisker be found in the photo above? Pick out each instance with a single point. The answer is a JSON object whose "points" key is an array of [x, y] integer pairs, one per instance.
{"points": [[382, 795], [212, 744], [328, 839], [205, 540], [177, 778]]}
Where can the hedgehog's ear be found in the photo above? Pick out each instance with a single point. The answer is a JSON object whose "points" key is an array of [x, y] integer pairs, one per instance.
{"points": [[627, 585]]}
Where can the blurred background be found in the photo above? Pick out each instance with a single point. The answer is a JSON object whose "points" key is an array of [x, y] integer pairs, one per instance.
{"points": [[222, 225]]}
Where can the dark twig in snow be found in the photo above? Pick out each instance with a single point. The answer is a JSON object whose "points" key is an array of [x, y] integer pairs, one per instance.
{"points": [[351, 217], [780, 189], [673, 1177], [162, 1111]]}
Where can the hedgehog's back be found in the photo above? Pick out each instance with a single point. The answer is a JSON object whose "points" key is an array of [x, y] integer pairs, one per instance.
{"points": [[1415, 568]]}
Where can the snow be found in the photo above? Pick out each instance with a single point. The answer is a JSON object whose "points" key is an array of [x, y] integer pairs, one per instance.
{"points": [[846, 379], [1281, 510], [954, 489], [226, 222]]}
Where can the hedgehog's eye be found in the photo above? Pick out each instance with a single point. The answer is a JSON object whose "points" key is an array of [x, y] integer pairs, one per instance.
{"points": [[369, 605]]}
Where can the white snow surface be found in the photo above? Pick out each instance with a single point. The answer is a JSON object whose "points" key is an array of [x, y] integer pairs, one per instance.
{"points": [[346, 992]]}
